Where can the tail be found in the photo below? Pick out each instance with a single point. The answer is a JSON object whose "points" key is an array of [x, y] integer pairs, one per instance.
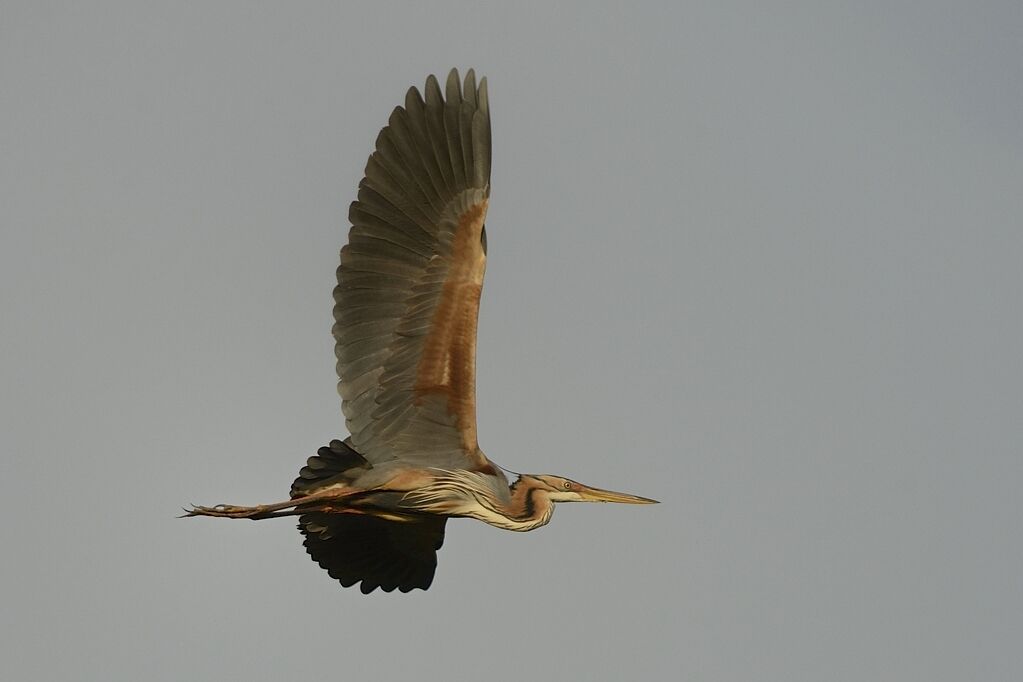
{"points": [[331, 464]]}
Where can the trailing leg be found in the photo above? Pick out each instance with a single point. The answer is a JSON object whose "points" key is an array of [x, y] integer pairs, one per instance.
{"points": [[266, 511]]}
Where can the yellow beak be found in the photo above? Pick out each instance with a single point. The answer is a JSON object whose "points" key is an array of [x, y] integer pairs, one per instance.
{"points": [[597, 495]]}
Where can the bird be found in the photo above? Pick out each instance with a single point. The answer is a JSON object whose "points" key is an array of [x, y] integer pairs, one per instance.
{"points": [[373, 507]]}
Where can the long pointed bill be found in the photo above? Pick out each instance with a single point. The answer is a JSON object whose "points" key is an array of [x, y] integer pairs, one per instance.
{"points": [[597, 495]]}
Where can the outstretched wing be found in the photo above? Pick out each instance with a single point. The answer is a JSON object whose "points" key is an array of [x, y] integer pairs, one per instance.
{"points": [[409, 283], [376, 552]]}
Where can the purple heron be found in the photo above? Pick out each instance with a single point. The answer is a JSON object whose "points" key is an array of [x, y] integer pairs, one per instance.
{"points": [[372, 507]]}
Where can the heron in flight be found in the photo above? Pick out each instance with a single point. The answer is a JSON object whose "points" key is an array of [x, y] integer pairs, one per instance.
{"points": [[372, 507]]}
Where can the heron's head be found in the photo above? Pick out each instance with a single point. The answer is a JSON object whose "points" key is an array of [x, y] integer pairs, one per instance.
{"points": [[560, 489]]}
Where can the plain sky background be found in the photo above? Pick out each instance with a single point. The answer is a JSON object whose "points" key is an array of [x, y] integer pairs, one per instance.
{"points": [[761, 261]]}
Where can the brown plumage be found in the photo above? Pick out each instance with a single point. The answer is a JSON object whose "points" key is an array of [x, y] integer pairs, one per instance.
{"points": [[373, 507]]}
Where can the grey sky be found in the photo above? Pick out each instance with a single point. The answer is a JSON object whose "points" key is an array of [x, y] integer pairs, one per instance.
{"points": [[760, 263]]}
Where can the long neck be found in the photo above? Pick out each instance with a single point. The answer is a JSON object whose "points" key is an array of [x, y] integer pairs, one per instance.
{"points": [[524, 505], [529, 506]]}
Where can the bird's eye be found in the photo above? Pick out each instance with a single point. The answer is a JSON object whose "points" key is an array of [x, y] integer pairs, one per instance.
{"points": [[568, 485]]}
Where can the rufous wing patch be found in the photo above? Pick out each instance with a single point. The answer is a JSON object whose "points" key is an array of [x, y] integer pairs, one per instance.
{"points": [[447, 366]]}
